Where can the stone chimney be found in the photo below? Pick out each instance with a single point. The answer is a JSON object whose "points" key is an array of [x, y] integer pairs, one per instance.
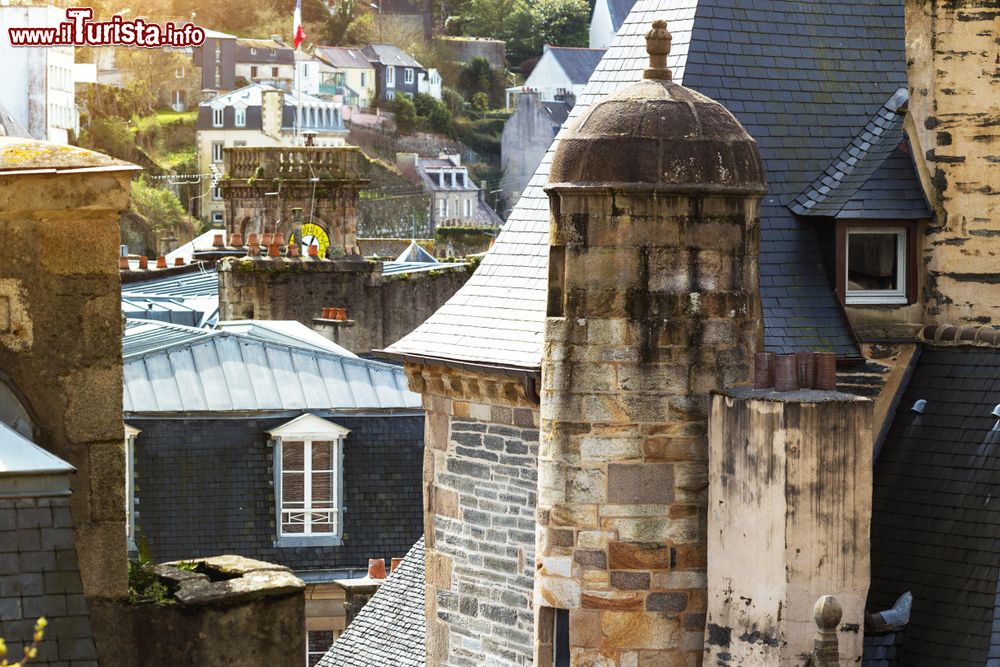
{"points": [[272, 108], [653, 302], [790, 494]]}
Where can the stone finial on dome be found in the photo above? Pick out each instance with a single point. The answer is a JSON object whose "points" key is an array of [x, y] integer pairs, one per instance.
{"points": [[658, 46]]}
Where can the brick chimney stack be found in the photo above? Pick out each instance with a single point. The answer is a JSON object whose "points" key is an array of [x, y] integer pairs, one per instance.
{"points": [[653, 302]]}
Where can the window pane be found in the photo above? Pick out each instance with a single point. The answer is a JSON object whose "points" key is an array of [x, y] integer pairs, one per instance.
{"points": [[293, 456], [872, 263], [322, 456]]}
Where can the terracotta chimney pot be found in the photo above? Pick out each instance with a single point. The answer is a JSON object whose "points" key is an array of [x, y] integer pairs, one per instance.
{"points": [[254, 247], [252, 238], [395, 563], [376, 568], [217, 241], [123, 263], [313, 251], [178, 261], [293, 250], [144, 263], [274, 250], [279, 238], [265, 240], [236, 240], [161, 262]]}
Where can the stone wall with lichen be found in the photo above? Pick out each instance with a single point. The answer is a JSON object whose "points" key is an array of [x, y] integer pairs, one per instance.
{"points": [[955, 120], [60, 341], [384, 308]]}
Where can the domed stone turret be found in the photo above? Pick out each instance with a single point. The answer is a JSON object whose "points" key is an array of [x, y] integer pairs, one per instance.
{"points": [[653, 302], [658, 134]]}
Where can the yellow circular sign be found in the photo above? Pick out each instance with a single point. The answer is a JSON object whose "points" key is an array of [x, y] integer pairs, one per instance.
{"points": [[313, 234]]}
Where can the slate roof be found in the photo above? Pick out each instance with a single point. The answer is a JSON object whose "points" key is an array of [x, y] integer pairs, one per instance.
{"points": [[578, 64], [390, 631], [935, 523], [171, 369], [557, 112], [343, 57], [388, 54], [803, 78], [873, 178]]}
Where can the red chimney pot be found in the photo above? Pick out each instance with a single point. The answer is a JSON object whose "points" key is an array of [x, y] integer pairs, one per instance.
{"points": [[161, 262], [376, 568], [313, 251], [395, 563], [178, 261], [217, 241], [236, 240], [143, 262], [274, 250]]}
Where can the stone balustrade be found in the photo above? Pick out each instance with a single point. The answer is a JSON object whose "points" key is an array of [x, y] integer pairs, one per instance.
{"points": [[291, 162]]}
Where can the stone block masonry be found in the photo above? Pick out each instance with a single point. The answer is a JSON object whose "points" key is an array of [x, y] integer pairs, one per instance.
{"points": [[481, 444], [40, 576]]}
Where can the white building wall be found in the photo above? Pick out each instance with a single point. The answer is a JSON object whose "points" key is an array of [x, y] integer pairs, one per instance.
{"points": [[548, 78], [602, 31], [38, 82]]}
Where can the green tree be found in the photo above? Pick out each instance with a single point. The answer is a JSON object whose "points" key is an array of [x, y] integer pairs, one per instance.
{"points": [[405, 113], [361, 30], [424, 104], [489, 18], [480, 101], [522, 35], [453, 101], [441, 120], [563, 22], [158, 205], [335, 29]]}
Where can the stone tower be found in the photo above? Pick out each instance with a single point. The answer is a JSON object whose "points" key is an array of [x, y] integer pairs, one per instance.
{"points": [[653, 302]]}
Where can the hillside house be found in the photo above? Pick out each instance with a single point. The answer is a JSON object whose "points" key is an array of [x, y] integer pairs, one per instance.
{"points": [[560, 75]]}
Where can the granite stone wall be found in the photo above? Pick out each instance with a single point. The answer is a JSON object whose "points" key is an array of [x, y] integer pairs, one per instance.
{"points": [[481, 439]]}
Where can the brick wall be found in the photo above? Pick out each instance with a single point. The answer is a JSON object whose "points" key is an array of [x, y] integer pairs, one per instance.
{"points": [[39, 576], [479, 518], [204, 487]]}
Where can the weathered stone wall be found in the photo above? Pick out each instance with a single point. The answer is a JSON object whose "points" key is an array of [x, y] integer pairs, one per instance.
{"points": [[790, 484], [653, 303], [39, 576], [954, 105], [235, 613], [481, 442], [60, 347], [384, 308]]}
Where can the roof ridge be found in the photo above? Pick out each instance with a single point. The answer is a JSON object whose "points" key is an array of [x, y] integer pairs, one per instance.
{"points": [[979, 335]]}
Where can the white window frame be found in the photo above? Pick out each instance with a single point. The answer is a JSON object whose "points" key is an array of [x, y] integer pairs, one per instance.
{"points": [[253, 51], [216, 193], [390, 77], [863, 297], [408, 75], [130, 435], [217, 154], [217, 218], [308, 428], [318, 654], [240, 117], [468, 208], [218, 117], [442, 208]]}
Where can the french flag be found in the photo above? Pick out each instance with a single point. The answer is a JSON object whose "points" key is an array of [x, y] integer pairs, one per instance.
{"points": [[297, 34]]}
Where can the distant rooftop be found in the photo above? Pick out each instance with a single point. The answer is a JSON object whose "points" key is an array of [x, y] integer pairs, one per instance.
{"points": [[579, 64]]}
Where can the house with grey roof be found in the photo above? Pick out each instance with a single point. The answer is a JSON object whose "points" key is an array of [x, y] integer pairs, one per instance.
{"points": [[456, 199], [560, 75], [265, 440], [399, 72]]}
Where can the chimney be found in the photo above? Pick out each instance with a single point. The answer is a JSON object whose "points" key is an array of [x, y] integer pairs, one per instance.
{"points": [[790, 488], [376, 568], [653, 302]]}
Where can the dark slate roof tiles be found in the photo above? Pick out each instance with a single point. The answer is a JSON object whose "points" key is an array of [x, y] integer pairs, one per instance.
{"points": [[390, 631], [935, 523], [803, 77], [578, 64], [873, 178]]}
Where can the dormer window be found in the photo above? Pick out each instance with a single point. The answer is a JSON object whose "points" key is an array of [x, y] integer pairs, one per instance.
{"points": [[240, 117], [253, 51], [875, 263], [308, 481], [217, 117]]}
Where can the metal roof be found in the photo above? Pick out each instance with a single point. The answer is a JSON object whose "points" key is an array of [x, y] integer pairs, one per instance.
{"points": [[343, 57], [414, 253], [389, 54], [192, 312], [20, 456], [182, 369], [196, 283], [395, 268], [291, 332]]}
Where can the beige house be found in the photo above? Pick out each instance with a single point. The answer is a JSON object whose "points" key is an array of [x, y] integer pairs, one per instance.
{"points": [[344, 71], [259, 115], [456, 200]]}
